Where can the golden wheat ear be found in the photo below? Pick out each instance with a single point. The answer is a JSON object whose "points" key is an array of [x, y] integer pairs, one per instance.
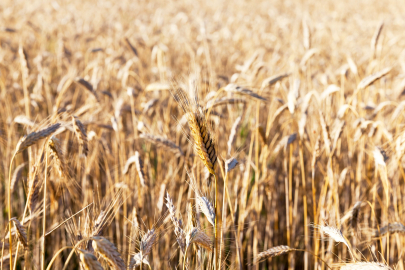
{"points": [[55, 150], [89, 261], [108, 252], [198, 237], [200, 135], [21, 232], [81, 134], [203, 140], [272, 252]]}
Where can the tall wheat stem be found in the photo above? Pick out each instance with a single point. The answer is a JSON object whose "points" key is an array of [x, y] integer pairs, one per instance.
{"points": [[302, 165], [184, 259], [9, 212], [44, 215], [216, 224]]}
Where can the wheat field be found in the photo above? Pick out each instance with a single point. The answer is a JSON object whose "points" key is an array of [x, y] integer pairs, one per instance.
{"points": [[202, 135]]}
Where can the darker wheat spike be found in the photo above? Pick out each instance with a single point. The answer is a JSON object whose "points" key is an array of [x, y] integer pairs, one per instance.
{"points": [[81, 135], [203, 142], [34, 137], [21, 233]]}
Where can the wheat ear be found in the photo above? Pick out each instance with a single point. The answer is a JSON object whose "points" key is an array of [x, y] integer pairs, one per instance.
{"points": [[195, 235], [34, 137], [178, 224], [89, 261], [21, 233], [280, 250], [109, 252], [17, 176], [203, 142], [81, 134], [55, 150], [160, 141]]}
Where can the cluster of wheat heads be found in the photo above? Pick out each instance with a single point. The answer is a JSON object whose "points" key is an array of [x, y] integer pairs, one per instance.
{"points": [[110, 159]]}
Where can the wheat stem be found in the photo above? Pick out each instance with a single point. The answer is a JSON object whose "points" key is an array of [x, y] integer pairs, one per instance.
{"points": [[9, 212], [216, 223], [184, 259], [70, 254], [44, 215]]}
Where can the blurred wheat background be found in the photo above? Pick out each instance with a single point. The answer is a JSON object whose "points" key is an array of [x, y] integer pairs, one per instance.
{"points": [[119, 100]]}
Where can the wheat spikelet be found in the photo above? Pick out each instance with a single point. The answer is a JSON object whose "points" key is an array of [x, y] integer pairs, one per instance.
{"points": [[17, 175], [133, 49], [21, 233], [147, 242], [206, 207], [241, 90], [372, 78], [128, 164], [89, 261], [109, 252], [223, 101], [195, 235], [273, 79], [203, 142], [160, 141], [391, 228], [56, 152], [178, 224], [33, 191], [23, 120], [137, 260], [272, 252], [81, 135], [139, 168], [333, 233], [376, 36], [365, 266], [230, 164], [232, 135], [34, 137]]}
